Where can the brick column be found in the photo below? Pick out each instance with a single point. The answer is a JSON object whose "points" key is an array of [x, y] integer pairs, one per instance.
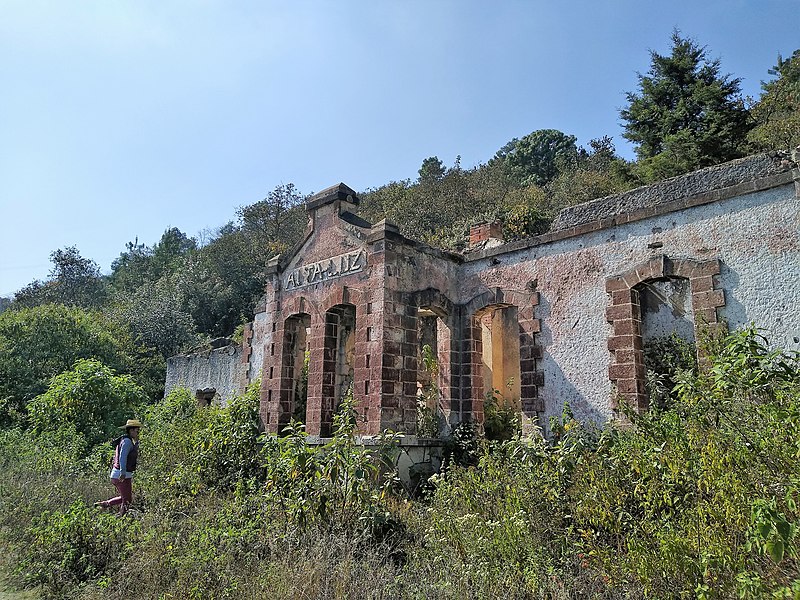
{"points": [[368, 362], [625, 343], [271, 370], [316, 345], [399, 365], [472, 384]]}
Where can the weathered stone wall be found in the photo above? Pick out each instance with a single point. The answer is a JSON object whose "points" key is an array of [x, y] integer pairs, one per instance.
{"points": [[701, 185], [221, 369], [723, 241], [754, 236]]}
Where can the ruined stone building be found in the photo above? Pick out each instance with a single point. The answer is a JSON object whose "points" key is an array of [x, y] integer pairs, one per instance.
{"points": [[559, 318]]}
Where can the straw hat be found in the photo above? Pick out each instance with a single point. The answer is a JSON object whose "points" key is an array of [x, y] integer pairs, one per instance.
{"points": [[132, 423]]}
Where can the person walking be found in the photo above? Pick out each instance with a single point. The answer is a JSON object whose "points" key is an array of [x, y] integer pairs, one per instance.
{"points": [[126, 453]]}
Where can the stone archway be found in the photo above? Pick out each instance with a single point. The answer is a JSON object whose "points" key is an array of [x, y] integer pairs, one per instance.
{"points": [[529, 353], [627, 371]]}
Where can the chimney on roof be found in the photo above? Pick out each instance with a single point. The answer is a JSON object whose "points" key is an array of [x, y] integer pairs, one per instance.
{"points": [[487, 234]]}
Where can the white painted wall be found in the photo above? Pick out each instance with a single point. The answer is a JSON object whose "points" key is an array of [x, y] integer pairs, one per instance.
{"points": [[756, 236]]}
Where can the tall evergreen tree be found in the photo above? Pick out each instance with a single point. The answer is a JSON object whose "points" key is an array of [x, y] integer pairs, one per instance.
{"points": [[685, 115], [432, 170]]}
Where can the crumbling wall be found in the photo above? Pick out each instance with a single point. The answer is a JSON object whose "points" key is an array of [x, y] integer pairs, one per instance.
{"points": [[220, 368], [754, 235]]}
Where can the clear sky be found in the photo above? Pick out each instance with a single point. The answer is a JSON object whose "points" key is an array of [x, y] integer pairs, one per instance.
{"points": [[121, 118]]}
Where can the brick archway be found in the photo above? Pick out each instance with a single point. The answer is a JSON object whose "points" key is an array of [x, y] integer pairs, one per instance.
{"points": [[530, 349], [627, 370]]}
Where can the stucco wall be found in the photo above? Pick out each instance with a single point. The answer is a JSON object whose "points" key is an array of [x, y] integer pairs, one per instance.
{"points": [[742, 216], [220, 368], [755, 236]]}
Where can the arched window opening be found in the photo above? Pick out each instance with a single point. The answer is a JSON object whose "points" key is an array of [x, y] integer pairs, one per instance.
{"points": [[500, 361], [338, 361], [294, 384]]}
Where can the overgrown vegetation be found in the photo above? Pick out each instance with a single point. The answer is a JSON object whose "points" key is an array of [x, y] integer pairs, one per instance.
{"points": [[695, 499]]}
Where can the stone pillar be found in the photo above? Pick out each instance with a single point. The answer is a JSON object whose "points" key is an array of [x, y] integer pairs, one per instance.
{"points": [[399, 368], [314, 403]]}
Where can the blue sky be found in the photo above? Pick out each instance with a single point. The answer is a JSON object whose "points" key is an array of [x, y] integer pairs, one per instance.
{"points": [[121, 118]]}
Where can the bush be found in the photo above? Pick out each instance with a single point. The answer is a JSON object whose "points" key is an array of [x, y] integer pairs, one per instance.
{"points": [[701, 499], [339, 486], [75, 546], [39, 343], [90, 398]]}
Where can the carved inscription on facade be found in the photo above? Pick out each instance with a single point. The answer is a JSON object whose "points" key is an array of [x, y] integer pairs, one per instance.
{"points": [[330, 268]]}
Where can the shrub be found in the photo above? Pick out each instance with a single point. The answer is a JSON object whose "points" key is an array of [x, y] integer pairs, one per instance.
{"points": [[339, 486], [700, 499], [73, 547], [90, 398]]}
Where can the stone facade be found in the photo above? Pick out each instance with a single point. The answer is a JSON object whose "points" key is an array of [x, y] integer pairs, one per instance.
{"points": [[559, 318]]}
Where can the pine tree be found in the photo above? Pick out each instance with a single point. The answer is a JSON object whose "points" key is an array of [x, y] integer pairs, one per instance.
{"points": [[685, 115]]}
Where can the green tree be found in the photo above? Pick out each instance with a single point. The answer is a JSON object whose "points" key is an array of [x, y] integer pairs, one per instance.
{"points": [[38, 343], [140, 265], [156, 316], [538, 157], [432, 170], [73, 281], [131, 268], [170, 251], [685, 115], [277, 221], [597, 172], [224, 281], [777, 113], [90, 397]]}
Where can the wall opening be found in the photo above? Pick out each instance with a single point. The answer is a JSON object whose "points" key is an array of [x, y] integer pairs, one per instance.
{"points": [[657, 308], [338, 361], [296, 333], [500, 354], [500, 363], [433, 366], [205, 396], [667, 328]]}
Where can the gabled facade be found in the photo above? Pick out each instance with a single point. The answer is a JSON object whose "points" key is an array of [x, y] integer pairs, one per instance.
{"points": [[561, 318]]}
